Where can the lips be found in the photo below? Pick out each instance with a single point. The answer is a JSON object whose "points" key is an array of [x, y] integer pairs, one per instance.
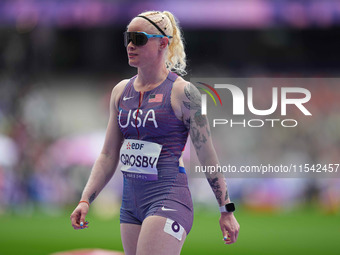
{"points": [[131, 55]]}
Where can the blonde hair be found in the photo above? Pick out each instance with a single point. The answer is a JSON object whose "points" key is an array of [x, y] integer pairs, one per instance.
{"points": [[176, 57]]}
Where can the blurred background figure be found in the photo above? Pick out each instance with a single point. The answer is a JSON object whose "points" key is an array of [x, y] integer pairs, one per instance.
{"points": [[60, 59]]}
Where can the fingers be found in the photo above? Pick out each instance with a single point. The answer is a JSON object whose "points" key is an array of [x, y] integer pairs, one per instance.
{"points": [[77, 224], [230, 233], [82, 220], [231, 236], [230, 228], [84, 225], [74, 219], [78, 219], [226, 235], [226, 238]]}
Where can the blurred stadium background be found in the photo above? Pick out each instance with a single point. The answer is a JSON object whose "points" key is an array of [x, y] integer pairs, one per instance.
{"points": [[59, 61]]}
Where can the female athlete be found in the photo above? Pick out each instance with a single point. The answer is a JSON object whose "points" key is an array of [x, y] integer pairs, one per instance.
{"points": [[150, 118]]}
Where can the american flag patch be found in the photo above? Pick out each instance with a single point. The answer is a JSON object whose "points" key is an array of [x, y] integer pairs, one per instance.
{"points": [[155, 98]]}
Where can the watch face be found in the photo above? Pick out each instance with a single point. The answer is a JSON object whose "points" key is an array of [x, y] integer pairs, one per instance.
{"points": [[230, 207]]}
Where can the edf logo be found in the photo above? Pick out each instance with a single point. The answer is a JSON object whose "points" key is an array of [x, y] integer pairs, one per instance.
{"points": [[134, 146]]}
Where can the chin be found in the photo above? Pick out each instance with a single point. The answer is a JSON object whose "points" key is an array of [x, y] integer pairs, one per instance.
{"points": [[133, 63]]}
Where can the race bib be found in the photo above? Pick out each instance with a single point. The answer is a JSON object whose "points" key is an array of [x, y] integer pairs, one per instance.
{"points": [[139, 159]]}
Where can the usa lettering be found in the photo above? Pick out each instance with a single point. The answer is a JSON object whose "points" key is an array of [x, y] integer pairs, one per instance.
{"points": [[132, 117], [138, 161]]}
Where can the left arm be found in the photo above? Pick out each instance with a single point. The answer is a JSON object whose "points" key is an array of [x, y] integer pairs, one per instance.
{"points": [[190, 105], [201, 138]]}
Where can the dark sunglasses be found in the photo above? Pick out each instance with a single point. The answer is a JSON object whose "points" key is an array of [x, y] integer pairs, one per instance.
{"points": [[139, 38]]}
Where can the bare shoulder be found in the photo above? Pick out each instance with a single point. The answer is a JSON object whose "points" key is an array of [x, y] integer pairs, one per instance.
{"points": [[179, 87], [185, 96], [117, 91], [119, 88], [185, 91], [177, 96]]}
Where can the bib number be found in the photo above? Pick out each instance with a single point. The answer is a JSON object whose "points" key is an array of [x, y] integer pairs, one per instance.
{"points": [[139, 159]]}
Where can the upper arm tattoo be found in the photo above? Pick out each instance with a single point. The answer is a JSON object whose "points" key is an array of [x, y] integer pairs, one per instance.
{"points": [[197, 122], [194, 105]]}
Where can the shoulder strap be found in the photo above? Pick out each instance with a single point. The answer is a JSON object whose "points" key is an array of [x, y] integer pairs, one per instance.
{"points": [[172, 76]]}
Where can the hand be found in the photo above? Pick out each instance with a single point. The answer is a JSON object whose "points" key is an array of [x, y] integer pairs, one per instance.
{"points": [[78, 216], [229, 227]]}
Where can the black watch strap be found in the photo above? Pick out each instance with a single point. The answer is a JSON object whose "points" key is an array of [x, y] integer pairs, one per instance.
{"points": [[230, 207]]}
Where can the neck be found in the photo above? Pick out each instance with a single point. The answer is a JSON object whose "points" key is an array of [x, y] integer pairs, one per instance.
{"points": [[152, 75]]}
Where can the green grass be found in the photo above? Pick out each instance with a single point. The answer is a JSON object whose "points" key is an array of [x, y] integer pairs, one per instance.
{"points": [[299, 232]]}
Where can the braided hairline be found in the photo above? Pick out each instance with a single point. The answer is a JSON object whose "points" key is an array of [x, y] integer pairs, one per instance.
{"points": [[160, 21]]}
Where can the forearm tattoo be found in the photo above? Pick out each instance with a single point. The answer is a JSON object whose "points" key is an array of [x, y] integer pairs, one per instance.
{"points": [[92, 197], [197, 121], [226, 193], [215, 186]]}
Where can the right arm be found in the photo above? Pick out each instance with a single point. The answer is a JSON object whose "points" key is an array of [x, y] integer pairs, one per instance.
{"points": [[106, 163]]}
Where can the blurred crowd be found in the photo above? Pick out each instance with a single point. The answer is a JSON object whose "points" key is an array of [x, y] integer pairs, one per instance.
{"points": [[45, 160], [49, 142]]}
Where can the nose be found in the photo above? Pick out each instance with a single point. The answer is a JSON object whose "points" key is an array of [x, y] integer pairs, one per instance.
{"points": [[131, 45]]}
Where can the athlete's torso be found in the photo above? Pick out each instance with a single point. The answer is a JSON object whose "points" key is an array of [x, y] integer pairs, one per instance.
{"points": [[152, 119]]}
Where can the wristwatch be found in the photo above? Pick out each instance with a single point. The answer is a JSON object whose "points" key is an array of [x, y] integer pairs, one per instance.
{"points": [[230, 207]]}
